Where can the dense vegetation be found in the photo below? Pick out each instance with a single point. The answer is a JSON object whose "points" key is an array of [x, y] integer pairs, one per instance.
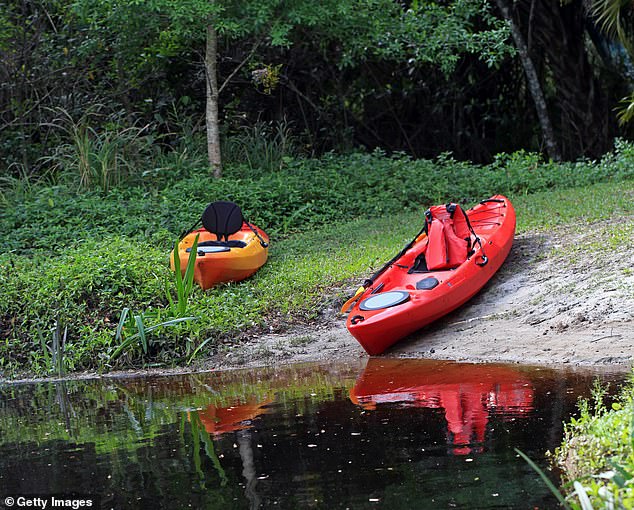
{"points": [[597, 454], [422, 77], [76, 259]]}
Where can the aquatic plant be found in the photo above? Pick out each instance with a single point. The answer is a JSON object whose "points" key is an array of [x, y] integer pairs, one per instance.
{"points": [[53, 355], [177, 309], [131, 321], [184, 282], [597, 453]]}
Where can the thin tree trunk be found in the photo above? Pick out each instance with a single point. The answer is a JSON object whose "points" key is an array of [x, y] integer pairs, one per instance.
{"points": [[533, 83], [211, 111]]}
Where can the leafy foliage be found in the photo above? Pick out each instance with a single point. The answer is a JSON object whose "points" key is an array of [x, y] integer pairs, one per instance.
{"points": [[332, 219], [304, 194], [597, 452], [423, 33]]}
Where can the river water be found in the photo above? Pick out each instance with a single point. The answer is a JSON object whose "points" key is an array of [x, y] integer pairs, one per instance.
{"points": [[386, 433]]}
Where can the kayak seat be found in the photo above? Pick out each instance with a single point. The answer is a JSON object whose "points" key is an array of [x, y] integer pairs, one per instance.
{"points": [[222, 218], [420, 265]]}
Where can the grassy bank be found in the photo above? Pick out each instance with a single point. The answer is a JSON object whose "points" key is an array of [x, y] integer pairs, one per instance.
{"points": [[597, 453], [74, 260]]}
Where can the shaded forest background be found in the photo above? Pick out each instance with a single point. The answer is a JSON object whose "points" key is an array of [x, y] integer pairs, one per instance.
{"points": [[132, 71]]}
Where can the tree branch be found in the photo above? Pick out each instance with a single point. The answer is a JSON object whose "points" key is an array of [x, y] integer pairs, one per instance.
{"points": [[240, 66]]}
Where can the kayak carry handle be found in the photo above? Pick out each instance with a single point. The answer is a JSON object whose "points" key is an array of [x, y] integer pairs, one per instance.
{"points": [[356, 319]]}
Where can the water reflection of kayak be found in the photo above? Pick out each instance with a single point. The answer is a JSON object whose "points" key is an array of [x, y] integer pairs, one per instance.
{"points": [[469, 394], [220, 420]]}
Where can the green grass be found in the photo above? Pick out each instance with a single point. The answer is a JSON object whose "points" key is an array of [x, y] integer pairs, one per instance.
{"points": [[597, 452], [78, 259], [580, 205]]}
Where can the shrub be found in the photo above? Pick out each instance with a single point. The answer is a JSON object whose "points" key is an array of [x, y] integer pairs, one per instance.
{"points": [[306, 193], [81, 289], [598, 449]]}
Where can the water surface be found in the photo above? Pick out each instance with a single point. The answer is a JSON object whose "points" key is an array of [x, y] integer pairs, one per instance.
{"points": [[389, 434]]}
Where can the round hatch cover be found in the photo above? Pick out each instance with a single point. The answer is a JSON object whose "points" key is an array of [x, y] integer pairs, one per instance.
{"points": [[384, 300], [427, 283]]}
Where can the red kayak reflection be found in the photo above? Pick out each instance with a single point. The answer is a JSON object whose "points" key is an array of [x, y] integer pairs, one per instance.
{"points": [[468, 393]]}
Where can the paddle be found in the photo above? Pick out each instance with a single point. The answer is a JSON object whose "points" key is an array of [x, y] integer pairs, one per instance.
{"points": [[357, 295], [353, 299]]}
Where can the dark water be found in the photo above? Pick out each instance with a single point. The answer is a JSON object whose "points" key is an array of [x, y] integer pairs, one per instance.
{"points": [[393, 434]]}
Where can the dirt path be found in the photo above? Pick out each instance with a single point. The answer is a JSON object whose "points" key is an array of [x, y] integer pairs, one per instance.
{"points": [[565, 296]]}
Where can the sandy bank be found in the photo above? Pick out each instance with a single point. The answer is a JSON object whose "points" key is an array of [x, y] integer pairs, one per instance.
{"points": [[563, 296]]}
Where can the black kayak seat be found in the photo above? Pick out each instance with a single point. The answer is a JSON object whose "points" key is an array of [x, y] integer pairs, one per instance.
{"points": [[222, 218]]}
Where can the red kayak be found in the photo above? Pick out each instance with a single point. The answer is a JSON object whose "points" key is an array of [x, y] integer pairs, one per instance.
{"points": [[445, 265]]}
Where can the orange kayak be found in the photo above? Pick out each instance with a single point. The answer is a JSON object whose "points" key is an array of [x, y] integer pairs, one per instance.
{"points": [[229, 249], [220, 420], [406, 295], [222, 262]]}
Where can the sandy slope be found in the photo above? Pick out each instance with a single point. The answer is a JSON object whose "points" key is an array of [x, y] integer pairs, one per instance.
{"points": [[565, 296]]}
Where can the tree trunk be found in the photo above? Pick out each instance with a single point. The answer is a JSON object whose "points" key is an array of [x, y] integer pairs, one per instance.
{"points": [[533, 83], [583, 124], [211, 111]]}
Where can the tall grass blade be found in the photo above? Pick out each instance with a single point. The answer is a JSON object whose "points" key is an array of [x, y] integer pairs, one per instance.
{"points": [[583, 496], [171, 322], [189, 276], [119, 332], [193, 355], [60, 359], [184, 281], [178, 278], [142, 332], [177, 267], [126, 343], [546, 480], [139, 324], [56, 349], [167, 287], [45, 349]]}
